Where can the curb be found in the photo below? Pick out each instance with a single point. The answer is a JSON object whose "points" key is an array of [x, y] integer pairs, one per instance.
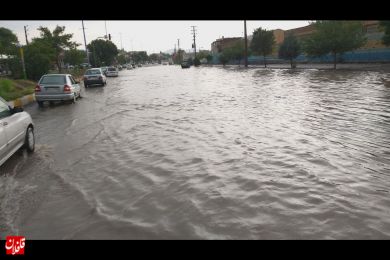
{"points": [[25, 100]]}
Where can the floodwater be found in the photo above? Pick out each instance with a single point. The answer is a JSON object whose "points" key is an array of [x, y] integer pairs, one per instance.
{"points": [[208, 153]]}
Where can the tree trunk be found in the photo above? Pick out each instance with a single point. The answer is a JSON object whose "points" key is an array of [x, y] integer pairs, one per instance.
{"points": [[265, 62], [334, 60], [59, 65]]}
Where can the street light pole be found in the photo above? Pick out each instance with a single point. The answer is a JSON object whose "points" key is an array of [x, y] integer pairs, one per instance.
{"points": [[25, 33], [105, 25], [246, 45], [85, 42]]}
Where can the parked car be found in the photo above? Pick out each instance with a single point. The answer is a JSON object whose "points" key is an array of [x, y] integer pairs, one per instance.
{"points": [[16, 131], [94, 76], [85, 65], [112, 72], [57, 87], [104, 70], [185, 64]]}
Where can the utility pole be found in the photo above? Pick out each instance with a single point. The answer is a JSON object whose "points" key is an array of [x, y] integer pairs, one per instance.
{"points": [[85, 42], [25, 33], [246, 46], [194, 35], [105, 25], [178, 49]]}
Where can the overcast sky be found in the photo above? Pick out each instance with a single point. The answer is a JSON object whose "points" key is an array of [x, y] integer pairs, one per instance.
{"points": [[151, 36]]}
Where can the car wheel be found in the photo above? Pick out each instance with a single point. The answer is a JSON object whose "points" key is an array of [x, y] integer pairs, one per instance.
{"points": [[40, 103], [29, 142]]}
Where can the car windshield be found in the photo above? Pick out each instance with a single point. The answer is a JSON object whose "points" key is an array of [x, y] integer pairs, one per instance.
{"points": [[93, 72], [111, 69], [53, 79]]}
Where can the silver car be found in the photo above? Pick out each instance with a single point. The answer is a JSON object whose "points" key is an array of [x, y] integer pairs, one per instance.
{"points": [[16, 130], [112, 72], [57, 87], [94, 76]]}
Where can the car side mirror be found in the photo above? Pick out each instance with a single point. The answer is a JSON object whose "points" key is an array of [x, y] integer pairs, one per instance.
{"points": [[17, 110]]}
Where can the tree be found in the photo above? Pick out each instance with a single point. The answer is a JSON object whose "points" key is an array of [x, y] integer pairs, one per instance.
{"points": [[103, 51], [262, 42], [386, 36], [153, 57], [139, 56], [121, 58], [224, 58], [8, 41], [209, 58], [38, 58], [237, 51], [57, 40], [334, 37], [74, 56], [196, 61], [289, 49]]}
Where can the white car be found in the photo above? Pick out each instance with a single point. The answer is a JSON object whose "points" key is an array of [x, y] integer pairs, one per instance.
{"points": [[16, 131], [112, 72]]}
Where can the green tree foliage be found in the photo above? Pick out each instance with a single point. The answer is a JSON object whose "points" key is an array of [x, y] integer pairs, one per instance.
{"points": [[154, 57], [102, 52], [196, 62], [205, 55], [289, 49], [8, 41], [386, 36], [57, 40], [334, 37], [235, 52], [121, 58], [38, 58], [74, 56], [139, 56], [262, 43], [223, 58]]}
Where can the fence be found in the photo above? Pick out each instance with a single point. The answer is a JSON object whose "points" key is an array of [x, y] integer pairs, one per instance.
{"points": [[358, 56]]}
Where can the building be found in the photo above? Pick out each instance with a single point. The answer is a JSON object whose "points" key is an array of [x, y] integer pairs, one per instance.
{"points": [[373, 50], [220, 44], [372, 29]]}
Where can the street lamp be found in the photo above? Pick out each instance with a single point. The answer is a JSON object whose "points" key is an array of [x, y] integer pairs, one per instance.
{"points": [[22, 58]]}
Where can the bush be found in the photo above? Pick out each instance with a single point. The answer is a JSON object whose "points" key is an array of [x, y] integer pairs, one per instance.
{"points": [[196, 61]]}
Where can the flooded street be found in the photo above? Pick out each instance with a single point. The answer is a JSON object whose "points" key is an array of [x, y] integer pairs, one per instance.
{"points": [[208, 153]]}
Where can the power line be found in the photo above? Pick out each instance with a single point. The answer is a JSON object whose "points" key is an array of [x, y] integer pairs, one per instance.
{"points": [[246, 46]]}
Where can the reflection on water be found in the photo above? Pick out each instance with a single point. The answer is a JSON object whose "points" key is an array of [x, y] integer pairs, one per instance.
{"points": [[210, 153]]}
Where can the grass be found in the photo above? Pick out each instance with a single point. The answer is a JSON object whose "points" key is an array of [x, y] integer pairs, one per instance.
{"points": [[12, 89]]}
